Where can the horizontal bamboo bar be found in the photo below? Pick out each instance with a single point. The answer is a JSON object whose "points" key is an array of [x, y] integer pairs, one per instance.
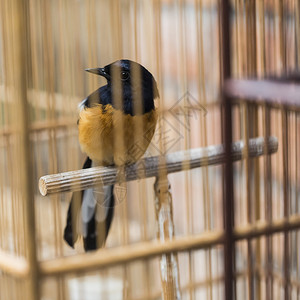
{"points": [[125, 254], [202, 283], [109, 257], [103, 258], [264, 228], [13, 265], [71, 122], [40, 126], [152, 166], [275, 93]]}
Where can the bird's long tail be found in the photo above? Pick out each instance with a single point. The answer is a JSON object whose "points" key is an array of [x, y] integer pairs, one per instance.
{"points": [[90, 214]]}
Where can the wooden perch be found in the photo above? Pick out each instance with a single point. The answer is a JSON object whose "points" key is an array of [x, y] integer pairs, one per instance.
{"points": [[152, 166]]}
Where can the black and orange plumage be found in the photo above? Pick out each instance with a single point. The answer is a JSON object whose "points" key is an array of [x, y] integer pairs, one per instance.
{"points": [[124, 105]]}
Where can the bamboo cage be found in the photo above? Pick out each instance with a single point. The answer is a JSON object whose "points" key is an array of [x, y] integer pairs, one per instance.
{"points": [[222, 167]]}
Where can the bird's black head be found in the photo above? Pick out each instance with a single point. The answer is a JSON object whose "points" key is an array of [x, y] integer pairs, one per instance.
{"points": [[130, 87]]}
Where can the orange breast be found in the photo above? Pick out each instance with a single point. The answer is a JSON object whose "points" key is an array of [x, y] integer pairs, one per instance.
{"points": [[109, 137]]}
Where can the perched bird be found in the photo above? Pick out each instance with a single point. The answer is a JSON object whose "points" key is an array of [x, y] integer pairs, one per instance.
{"points": [[116, 124]]}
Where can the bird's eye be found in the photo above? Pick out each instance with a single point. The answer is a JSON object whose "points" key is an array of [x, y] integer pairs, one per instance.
{"points": [[124, 75]]}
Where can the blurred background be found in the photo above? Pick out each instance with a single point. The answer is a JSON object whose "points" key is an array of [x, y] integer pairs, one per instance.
{"points": [[45, 46]]}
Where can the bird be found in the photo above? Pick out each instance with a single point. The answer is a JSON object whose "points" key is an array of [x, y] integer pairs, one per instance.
{"points": [[115, 126]]}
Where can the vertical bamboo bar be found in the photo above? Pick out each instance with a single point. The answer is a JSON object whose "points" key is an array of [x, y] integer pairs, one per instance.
{"points": [[268, 207], [296, 245], [257, 212], [284, 116], [261, 56], [163, 203], [252, 169], [237, 36], [251, 37], [183, 87], [281, 33], [169, 270], [267, 160], [297, 31], [286, 206], [138, 11], [228, 196], [21, 55], [245, 120], [201, 87]]}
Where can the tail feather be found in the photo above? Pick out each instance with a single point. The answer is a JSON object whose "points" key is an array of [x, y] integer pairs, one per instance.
{"points": [[97, 227], [89, 217], [70, 233]]}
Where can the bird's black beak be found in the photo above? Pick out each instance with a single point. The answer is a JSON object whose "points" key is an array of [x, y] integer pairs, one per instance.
{"points": [[99, 71]]}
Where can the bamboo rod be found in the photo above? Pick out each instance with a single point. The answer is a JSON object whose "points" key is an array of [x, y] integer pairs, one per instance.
{"points": [[104, 258], [13, 265], [70, 122], [41, 126], [175, 162], [260, 228], [82, 263], [286, 200], [268, 206], [23, 159], [227, 121], [217, 280]]}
